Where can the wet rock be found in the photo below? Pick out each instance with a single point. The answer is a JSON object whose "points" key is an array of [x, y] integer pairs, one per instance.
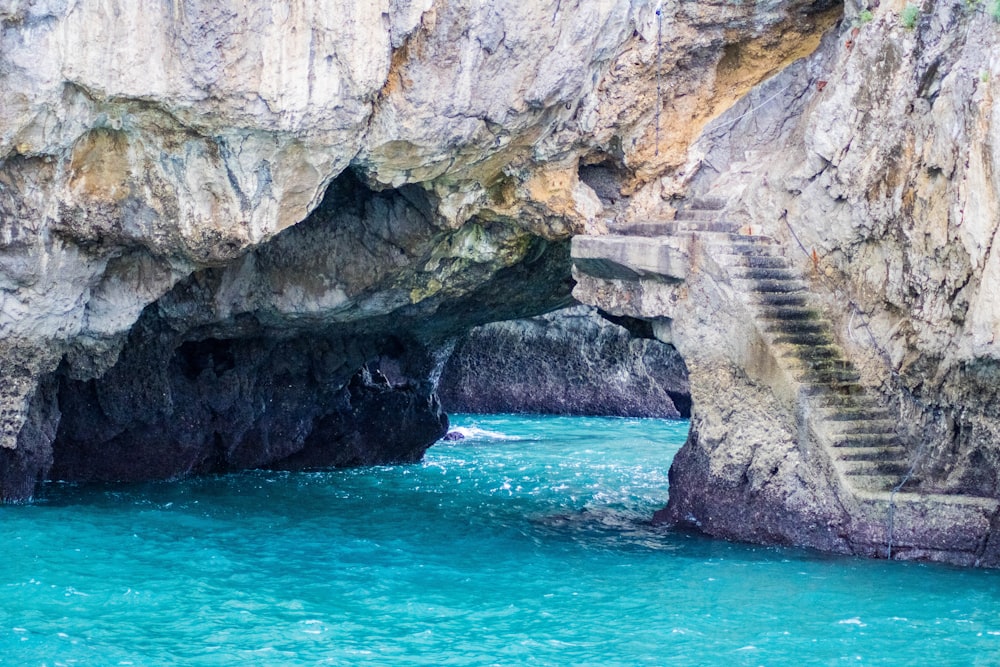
{"points": [[878, 227]]}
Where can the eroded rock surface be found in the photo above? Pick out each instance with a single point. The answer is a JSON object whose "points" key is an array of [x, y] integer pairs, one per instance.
{"points": [[207, 194], [871, 164], [885, 189], [235, 234], [899, 222]]}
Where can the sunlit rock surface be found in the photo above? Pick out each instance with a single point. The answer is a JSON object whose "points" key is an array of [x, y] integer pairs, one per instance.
{"points": [[872, 164], [247, 235], [885, 190], [186, 186]]}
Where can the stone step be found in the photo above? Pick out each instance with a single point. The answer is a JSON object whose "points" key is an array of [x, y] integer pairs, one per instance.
{"points": [[817, 325], [764, 273], [800, 339], [799, 358], [816, 357], [736, 261], [760, 262], [813, 352], [751, 239], [712, 226], [789, 313], [879, 482], [707, 203], [892, 468], [840, 401], [860, 414], [976, 504], [829, 377], [645, 229], [695, 214], [780, 299], [809, 388], [890, 453], [746, 250], [863, 426], [703, 215], [869, 440], [774, 286], [821, 367], [652, 228]]}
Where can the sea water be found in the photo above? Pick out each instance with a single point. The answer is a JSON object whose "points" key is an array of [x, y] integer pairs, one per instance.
{"points": [[526, 543]]}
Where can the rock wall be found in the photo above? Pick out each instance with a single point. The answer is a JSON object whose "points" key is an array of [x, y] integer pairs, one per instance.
{"points": [[875, 161], [237, 234], [872, 162], [570, 362], [242, 176]]}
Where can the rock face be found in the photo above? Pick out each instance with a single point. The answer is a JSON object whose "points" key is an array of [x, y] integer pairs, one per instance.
{"points": [[213, 215], [571, 362], [237, 234], [870, 168]]}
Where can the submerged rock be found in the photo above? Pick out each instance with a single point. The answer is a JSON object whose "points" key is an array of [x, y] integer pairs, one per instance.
{"points": [[571, 362]]}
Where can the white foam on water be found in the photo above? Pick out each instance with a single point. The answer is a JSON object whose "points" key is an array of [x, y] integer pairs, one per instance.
{"points": [[476, 433], [851, 621]]}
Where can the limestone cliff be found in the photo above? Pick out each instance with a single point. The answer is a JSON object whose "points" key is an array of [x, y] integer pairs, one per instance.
{"points": [[887, 179], [240, 234], [213, 215], [570, 362], [868, 171]]}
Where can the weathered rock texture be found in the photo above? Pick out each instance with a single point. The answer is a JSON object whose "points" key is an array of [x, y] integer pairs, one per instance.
{"points": [[872, 165], [214, 214], [571, 362], [236, 234]]}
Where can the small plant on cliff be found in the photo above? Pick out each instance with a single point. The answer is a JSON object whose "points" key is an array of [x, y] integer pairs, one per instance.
{"points": [[864, 17], [908, 18], [995, 10]]}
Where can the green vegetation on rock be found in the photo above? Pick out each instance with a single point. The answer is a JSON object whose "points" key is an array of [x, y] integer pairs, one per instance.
{"points": [[909, 16]]}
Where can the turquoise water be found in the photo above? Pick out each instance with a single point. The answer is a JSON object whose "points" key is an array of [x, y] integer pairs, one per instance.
{"points": [[525, 544]]}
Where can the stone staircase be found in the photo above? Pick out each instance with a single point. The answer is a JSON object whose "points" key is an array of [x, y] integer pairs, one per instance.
{"points": [[856, 431], [640, 268], [859, 435]]}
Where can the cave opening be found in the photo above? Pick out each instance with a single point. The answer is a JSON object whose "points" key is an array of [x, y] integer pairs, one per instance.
{"points": [[607, 176], [577, 370], [300, 355], [316, 349]]}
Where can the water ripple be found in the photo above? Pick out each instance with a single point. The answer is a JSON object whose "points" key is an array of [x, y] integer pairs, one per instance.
{"points": [[529, 542]]}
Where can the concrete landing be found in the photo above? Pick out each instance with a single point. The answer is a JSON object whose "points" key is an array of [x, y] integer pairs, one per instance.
{"points": [[630, 258]]}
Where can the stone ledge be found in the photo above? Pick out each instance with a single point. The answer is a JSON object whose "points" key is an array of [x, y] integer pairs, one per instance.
{"points": [[630, 258]]}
